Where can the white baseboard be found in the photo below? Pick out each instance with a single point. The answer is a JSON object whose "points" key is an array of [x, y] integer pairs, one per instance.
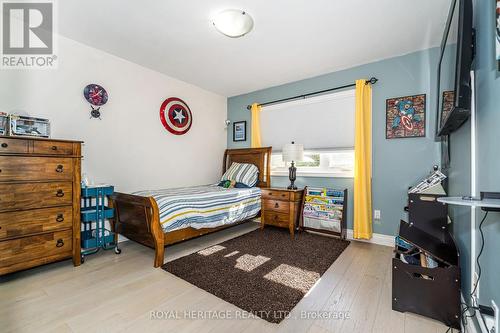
{"points": [[379, 239]]}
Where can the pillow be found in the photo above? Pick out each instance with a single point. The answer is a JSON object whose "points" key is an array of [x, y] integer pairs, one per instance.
{"points": [[244, 173]]}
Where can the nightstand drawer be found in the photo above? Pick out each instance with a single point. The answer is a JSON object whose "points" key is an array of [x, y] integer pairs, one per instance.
{"points": [[276, 206], [277, 219], [275, 194]]}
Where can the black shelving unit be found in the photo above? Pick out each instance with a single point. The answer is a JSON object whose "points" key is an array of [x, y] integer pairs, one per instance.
{"points": [[429, 291]]}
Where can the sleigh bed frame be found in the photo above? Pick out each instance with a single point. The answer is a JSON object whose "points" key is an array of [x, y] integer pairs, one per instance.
{"points": [[138, 217]]}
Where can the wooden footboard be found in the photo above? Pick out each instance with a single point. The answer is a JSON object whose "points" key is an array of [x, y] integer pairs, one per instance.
{"points": [[138, 219]]}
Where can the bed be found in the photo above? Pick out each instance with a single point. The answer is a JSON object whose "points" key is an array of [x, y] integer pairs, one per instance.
{"points": [[163, 217]]}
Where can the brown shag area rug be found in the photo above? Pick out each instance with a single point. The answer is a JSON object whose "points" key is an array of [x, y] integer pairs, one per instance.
{"points": [[263, 272]]}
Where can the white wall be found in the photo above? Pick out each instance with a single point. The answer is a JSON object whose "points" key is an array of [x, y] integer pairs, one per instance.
{"points": [[129, 147]]}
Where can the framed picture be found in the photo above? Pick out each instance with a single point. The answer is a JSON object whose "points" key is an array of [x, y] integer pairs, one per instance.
{"points": [[240, 131], [405, 117], [497, 34]]}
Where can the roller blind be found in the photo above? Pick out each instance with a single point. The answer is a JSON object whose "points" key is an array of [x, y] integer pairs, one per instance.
{"points": [[320, 122]]}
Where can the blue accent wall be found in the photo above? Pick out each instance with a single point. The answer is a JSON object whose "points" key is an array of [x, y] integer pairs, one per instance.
{"points": [[488, 157], [397, 163]]}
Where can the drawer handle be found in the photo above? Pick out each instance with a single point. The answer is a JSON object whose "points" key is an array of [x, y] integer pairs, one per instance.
{"points": [[54, 148], [60, 243], [276, 205], [60, 218], [270, 193], [276, 217], [59, 168], [4, 145], [60, 193]]}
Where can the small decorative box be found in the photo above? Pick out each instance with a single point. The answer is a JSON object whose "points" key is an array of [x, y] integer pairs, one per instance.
{"points": [[29, 126]]}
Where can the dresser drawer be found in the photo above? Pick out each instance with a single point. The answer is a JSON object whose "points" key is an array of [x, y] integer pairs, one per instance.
{"points": [[13, 146], [31, 251], [52, 147], [276, 206], [35, 168], [277, 219], [274, 194], [23, 196], [22, 223]]}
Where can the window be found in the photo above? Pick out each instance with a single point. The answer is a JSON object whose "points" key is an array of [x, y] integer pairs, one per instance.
{"points": [[320, 163], [323, 124]]}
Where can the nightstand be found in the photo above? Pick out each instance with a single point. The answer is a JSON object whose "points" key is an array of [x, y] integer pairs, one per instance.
{"points": [[281, 208]]}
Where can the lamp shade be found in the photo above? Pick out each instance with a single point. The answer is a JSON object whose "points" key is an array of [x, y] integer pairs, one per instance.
{"points": [[293, 152]]}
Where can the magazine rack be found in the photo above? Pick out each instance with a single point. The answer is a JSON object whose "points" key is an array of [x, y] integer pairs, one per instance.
{"points": [[324, 211]]}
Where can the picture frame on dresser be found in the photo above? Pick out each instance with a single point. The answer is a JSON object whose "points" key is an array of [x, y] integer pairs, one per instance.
{"points": [[39, 202]]}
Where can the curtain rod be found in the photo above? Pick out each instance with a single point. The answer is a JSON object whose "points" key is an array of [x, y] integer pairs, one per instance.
{"points": [[372, 80]]}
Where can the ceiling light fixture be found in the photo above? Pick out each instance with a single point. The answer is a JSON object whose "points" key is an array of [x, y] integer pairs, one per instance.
{"points": [[233, 23]]}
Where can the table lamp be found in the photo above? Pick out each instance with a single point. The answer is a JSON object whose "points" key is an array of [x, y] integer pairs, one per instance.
{"points": [[293, 153]]}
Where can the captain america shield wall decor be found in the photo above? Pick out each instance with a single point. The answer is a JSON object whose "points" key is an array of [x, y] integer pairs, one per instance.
{"points": [[176, 116]]}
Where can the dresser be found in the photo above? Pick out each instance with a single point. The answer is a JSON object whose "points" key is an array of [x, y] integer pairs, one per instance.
{"points": [[39, 202], [281, 208]]}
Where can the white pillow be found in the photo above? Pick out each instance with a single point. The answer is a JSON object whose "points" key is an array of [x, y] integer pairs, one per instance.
{"points": [[245, 173]]}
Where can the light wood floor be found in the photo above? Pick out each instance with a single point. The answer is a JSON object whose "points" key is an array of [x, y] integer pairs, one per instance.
{"points": [[111, 293]]}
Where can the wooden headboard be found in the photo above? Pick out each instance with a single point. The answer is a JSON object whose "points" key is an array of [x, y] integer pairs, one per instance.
{"points": [[260, 157]]}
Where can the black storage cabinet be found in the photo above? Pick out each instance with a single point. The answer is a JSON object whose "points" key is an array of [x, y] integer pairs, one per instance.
{"points": [[431, 292], [427, 214]]}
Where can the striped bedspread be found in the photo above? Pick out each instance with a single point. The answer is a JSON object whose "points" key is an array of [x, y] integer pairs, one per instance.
{"points": [[206, 206]]}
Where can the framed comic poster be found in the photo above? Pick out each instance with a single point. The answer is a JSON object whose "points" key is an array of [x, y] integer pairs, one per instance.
{"points": [[405, 117], [240, 131]]}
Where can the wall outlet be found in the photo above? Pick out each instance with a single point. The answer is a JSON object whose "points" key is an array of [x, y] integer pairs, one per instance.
{"points": [[376, 214]]}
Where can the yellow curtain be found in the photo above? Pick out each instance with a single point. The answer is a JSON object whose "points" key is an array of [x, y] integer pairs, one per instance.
{"points": [[363, 162], [255, 136]]}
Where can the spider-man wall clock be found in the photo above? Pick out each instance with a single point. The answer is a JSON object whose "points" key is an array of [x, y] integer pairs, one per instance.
{"points": [[96, 96], [176, 116]]}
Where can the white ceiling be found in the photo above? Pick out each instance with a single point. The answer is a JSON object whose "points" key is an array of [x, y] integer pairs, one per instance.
{"points": [[291, 40]]}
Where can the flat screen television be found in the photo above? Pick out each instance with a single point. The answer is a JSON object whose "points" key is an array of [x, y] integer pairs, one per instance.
{"points": [[455, 61]]}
